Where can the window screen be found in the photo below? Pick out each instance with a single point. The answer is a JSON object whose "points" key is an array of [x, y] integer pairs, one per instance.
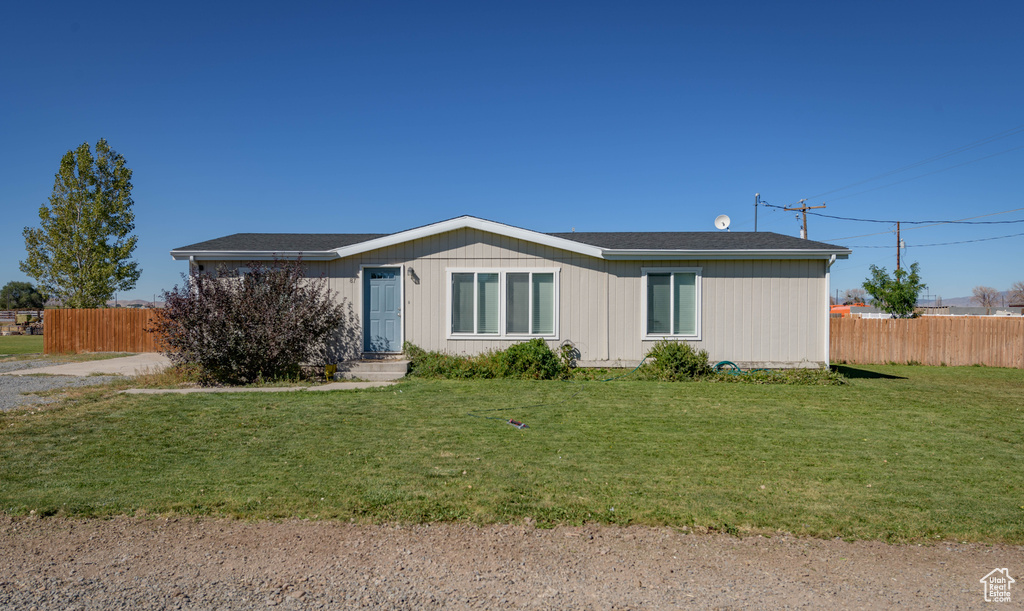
{"points": [[659, 307], [462, 303], [543, 304], [517, 303], [685, 311], [487, 303]]}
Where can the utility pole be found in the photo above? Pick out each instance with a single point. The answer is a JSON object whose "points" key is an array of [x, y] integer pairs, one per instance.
{"points": [[757, 200], [897, 246], [804, 208]]}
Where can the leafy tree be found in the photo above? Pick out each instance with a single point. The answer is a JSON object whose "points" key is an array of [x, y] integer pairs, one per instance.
{"points": [[1016, 295], [986, 297], [896, 295], [263, 324], [20, 296], [81, 252]]}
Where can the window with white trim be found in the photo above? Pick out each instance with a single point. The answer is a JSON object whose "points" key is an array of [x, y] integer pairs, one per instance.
{"points": [[503, 303], [671, 302]]}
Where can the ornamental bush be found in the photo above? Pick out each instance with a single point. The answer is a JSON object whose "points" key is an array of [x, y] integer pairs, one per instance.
{"points": [[673, 361], [432, 364], [263, 324], [529, 360], [532, 359]]}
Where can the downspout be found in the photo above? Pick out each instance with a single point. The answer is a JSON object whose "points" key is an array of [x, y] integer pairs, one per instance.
{"points": [[828, 311]]}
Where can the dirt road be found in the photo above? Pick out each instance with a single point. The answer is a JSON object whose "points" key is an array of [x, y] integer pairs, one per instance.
{"points": [[130, 563]]}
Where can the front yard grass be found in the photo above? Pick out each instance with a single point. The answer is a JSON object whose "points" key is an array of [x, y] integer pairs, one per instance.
{"points": [[21, 344], [30, 347], [900, 453]]}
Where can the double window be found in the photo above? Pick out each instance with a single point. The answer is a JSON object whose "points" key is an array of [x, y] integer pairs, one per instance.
{"points": [[503, 303], [671, 303]]}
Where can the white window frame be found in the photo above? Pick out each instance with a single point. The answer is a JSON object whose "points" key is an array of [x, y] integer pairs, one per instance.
{"points": [[502, 306], [644, 271]]}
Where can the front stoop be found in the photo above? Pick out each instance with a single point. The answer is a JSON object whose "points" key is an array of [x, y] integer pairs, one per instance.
{"points": [[377, 370], [382, 356]]}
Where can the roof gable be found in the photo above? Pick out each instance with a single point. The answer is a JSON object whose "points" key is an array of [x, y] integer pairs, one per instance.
{"points": [[471, 222]]}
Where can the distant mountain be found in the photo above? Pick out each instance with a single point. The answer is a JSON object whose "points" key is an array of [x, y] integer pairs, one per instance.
{"points": [[1004, 300], [134, 303]]}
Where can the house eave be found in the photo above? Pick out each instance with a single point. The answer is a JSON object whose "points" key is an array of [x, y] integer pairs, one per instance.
{"points": [[669, 255], [252, 255]]}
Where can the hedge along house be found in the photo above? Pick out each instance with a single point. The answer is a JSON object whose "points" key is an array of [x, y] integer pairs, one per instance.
{"points": [[467, 285]]}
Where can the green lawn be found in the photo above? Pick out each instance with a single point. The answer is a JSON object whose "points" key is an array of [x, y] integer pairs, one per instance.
{"points": [[900, 453], [20, 344]]}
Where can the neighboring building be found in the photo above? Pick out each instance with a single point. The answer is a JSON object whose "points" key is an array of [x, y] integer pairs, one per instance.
{"points": [[970, 311], [467, 285], [848, 310]]}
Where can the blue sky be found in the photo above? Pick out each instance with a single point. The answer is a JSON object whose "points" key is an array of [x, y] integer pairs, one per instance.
{"points": [[381, 116]]}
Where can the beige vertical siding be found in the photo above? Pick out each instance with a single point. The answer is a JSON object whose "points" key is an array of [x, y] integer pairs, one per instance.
{"points": [[763, 312]]}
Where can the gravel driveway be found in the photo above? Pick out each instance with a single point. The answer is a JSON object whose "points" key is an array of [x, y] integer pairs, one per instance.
{"points": [[132, 563], [12, 388]]}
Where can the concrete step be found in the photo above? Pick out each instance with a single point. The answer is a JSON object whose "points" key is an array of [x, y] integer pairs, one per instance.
{"points": [[375, 371], [370, 376], [398, 365], [382, 356]]}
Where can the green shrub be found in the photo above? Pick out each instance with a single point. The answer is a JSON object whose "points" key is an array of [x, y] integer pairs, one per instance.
{"points": [[425, 364], [673, 361], [532, 360], [666, 361]]}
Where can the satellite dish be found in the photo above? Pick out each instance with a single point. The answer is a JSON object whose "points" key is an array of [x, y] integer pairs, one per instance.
{"points": [[722, 221]]}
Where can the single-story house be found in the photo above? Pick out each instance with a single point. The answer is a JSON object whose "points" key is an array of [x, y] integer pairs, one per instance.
{"points": [[467, 285]]}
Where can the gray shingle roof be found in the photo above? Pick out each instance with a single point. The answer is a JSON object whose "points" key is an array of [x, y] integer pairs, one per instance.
{"points": [[694, 240], [634, 240], [282, 242], [321, 243]]}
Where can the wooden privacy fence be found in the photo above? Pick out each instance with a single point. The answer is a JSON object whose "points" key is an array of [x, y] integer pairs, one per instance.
{"points": [[103, 330], [995, 341]]}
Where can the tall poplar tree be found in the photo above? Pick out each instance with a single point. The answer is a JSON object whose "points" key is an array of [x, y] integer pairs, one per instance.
{"points": [[80, 254]]}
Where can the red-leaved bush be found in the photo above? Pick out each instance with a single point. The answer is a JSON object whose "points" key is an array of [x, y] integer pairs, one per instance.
{"points": [[262, 324]]}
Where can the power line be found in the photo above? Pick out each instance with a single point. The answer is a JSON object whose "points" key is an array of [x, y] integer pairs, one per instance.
{"points": [[964, 221], [1012, 235], [928, 223], [853, 237], [970, 218]]}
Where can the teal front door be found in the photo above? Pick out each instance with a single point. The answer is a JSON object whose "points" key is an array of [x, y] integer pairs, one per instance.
{"points": [[382, 309]]}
